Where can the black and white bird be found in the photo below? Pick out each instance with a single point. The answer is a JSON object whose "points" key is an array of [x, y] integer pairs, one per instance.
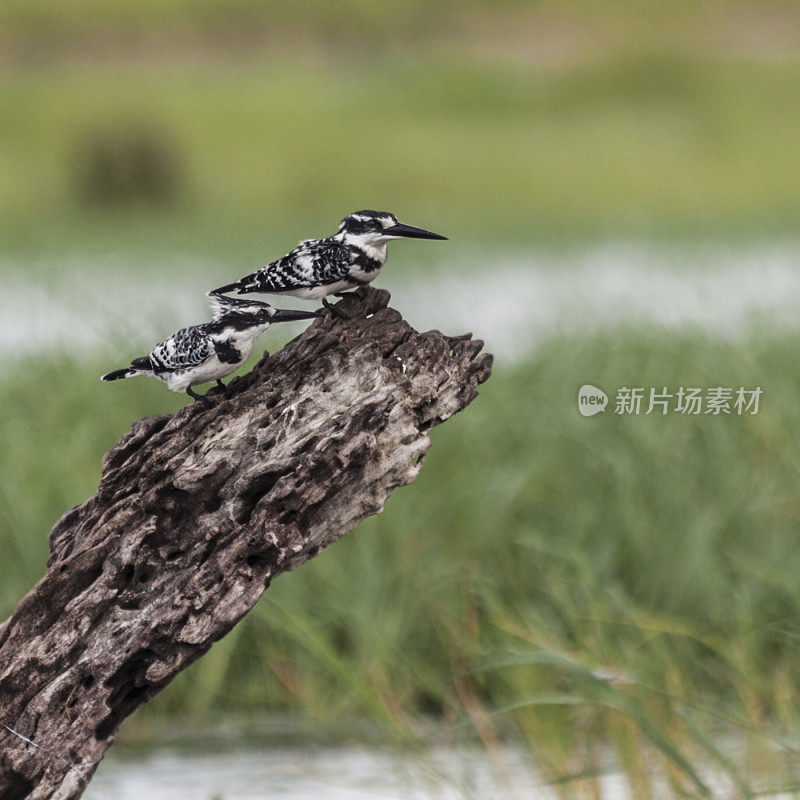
{"points": [[209, 352], [316, 268]]}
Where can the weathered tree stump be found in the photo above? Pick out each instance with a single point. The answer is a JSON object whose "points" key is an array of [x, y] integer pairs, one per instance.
{"points": [[197, 512]]}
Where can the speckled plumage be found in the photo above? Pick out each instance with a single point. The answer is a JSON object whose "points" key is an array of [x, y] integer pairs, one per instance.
{"points": [[315, 262], [212, 350], [186, 348], [316, 268]]}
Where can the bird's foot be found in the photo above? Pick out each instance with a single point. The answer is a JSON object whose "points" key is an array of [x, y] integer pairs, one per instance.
{"points": [[335, 309], [360, 292], [224, 389], [199, 397]]}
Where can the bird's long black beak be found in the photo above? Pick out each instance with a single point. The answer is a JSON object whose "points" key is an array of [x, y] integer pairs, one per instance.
{"points": [[292, 315], [410, 232]]}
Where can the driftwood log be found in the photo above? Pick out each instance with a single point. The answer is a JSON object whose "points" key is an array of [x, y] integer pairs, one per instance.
{"points": [[197, 512]]}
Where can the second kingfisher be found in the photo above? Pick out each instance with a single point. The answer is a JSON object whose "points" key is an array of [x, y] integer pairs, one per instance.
{"points": [[316, 268]]}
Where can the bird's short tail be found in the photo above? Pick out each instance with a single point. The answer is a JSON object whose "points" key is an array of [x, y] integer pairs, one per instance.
{"points": [[117, 374], [227, 288], [139, 366]]}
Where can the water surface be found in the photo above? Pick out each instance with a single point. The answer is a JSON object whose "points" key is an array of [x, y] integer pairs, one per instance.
{"points": [[513, 301]]}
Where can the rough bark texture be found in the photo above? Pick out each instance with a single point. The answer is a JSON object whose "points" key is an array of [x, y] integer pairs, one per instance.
{"points": [[196, 513]]}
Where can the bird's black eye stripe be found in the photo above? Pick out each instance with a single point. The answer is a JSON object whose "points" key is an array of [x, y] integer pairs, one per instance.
{"points": [[357, 226]]}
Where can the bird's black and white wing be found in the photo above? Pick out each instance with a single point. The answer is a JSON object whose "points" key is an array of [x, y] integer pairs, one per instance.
{"points": [[187, 348], [315, 262]]}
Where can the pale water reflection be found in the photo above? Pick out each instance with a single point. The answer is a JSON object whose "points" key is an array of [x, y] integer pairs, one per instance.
{"points": [[513, 301], [325, 773]]}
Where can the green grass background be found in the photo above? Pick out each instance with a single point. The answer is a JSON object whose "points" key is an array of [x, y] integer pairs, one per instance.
{"points": [[633, 142], [593, 588]]}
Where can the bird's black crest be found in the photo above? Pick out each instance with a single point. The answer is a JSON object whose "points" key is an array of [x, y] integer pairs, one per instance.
{"points": [[223, 307], [365, 221]]}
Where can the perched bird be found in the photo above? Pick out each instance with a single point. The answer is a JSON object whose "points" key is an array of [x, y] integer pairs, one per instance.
{"points": [[210, 351], [316, 268]]}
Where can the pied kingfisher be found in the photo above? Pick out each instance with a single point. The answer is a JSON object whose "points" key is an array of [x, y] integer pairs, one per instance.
{"points": [[210, 351], [316, 268]]}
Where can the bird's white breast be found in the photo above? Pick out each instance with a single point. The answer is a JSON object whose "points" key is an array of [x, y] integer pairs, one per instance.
{"points": [[210, 370]]}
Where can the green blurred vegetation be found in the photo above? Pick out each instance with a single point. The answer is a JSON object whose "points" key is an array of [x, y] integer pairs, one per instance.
{"points": [[636, 141], [41, 19], [414, 23], [621, 580], [622, 584]]}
